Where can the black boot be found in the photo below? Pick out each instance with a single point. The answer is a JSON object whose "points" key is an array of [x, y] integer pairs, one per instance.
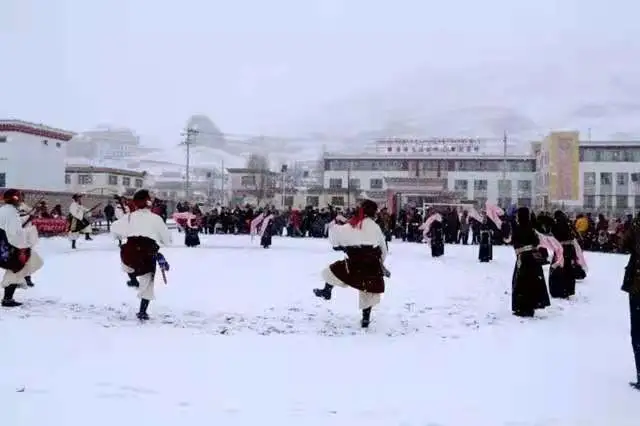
{"points": [[142, 314], [7, 300], [73, 244], [29, 282], [88, 237], [366, 318], [636, 384], [133, 281], [325, 292]]}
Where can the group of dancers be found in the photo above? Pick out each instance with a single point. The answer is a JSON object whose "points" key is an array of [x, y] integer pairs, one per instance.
{"points": [[141, 233]]}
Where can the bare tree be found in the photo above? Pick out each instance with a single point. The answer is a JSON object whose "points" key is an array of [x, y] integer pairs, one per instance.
{"points": [[258, 164]]}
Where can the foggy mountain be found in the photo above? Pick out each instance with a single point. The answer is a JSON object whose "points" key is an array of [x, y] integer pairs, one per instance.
{"points": [[596, 89]]}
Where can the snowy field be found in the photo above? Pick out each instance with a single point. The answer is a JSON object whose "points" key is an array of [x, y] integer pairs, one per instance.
{"points": [[237, 338]]}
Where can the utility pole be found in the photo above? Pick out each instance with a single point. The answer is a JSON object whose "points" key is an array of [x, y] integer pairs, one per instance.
{"points": [[222, 175], [349, 185], [189, 134], [504, 156]]}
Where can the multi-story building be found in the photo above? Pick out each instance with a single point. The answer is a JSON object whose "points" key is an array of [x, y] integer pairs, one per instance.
{"points": [[103, 180], [105, 144], [32, 156], [435, 170], [559, 171], [589, 175], [252, 186]]}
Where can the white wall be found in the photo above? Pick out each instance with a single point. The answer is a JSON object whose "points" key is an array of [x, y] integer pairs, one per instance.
{"points": [[29, 164], [492, 179], [100, 184], [613, 168], [365, 177]]}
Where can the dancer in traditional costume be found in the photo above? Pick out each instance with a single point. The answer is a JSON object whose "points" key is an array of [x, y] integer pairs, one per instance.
{"points": [[364, 243], [528, 286], [191, 231], [144, 232], [262, 225], [631, 285], [485, 248], [562, 280], [78, 221], [433, 230], [32, 236], [16, 254]]}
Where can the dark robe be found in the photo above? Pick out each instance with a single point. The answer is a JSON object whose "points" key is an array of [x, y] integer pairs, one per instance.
{"points": [[10, 258], [362, 269], [139, 254], [191, 237], [631, 285], [436, 234], [562, 280], [485, 249], [267, 234], [528, 286]]}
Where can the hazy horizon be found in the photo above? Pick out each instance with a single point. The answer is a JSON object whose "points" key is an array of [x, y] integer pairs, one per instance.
{"points": [[259, 67]]}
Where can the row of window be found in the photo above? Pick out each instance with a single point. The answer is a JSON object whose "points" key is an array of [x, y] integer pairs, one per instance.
{"points": [[606, 178], [610, 201], [504, 186], [458, 165], [336, 183], [619, 154], [87, 179], [436, 148], [45, 142]]}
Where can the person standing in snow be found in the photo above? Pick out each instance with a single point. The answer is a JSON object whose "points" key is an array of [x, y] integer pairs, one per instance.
{"points": [[15, 249], [631, 285], [365, 246], [144, 232], [78, 223], [528, 286]]}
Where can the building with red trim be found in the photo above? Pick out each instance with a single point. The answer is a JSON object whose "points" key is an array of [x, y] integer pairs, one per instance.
{"points": [[32, 156]]}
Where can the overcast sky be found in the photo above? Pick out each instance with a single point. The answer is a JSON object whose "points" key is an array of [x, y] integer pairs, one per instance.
{"points": [[253, 66]]}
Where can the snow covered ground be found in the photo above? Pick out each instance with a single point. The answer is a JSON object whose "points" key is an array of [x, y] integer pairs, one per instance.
{"points": [[237, 338]]}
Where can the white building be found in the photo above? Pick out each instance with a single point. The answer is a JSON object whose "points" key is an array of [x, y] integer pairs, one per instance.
{"points": [[590, 175], [435, 170], [103, 180], [32, 156], [105, 144]]}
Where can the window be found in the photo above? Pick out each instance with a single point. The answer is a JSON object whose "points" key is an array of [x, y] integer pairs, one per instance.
{"points": [[460, 185], [288, 200], [480, 185], [482, 201], [622, 201], [606, 178], [335, 183], [139, 183], [589, 178], [67, 179], [126, 181], [3, 139], [635, 177], [524, 202], [85, 179], [606, 201], [337, 201], [622, 179], [247, 180], [636, 201], [375, 183], [3, 180], [589, 201], [504, 187], [504, 202], [313, 200], [354, 183], [113, 180], [524, 186]]}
